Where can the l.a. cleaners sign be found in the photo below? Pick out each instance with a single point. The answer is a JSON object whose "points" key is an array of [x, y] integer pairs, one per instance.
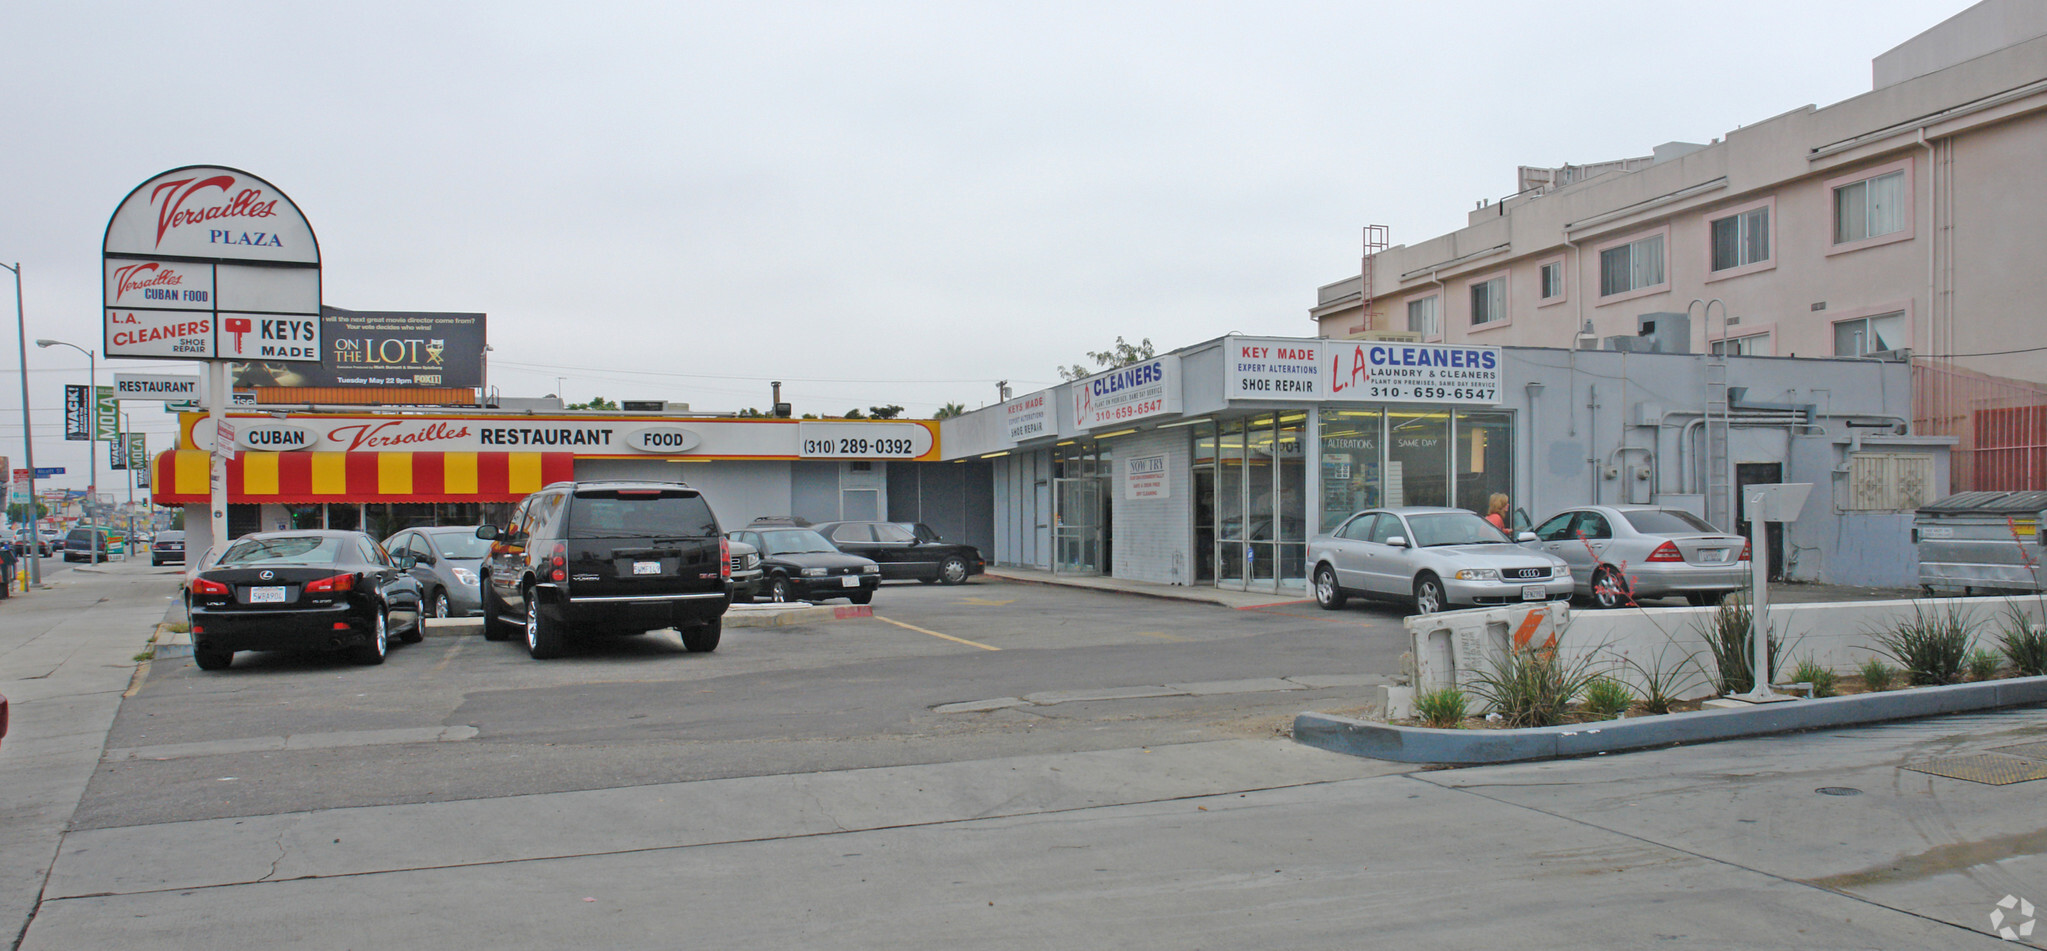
{"points": [[208, 262], [1364, 371], [1127, 394]]}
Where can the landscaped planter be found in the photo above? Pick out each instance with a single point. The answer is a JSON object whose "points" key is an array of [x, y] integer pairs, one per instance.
{"points": [[1414, 744]]}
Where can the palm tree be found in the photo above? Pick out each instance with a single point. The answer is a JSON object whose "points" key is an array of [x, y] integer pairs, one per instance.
{"points": [[949, 410]]}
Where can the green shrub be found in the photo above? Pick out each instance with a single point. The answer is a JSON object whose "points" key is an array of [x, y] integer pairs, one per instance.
{"points": [[1877, 675], [1931, 644], [1443, 708], [1663, 683], [1531, 686], [1809, 671], [1607, 698], [2024, 645], [1983, 663], [1731, 641]]}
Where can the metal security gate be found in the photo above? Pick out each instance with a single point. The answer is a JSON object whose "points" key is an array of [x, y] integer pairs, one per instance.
{"points": [[1077, 526]]}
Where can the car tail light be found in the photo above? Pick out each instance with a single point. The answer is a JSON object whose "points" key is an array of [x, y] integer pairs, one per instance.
{"points": [[335, 583], [1744, 551], [203, 586], [724, 559], [559, 562], [1666, 552]]}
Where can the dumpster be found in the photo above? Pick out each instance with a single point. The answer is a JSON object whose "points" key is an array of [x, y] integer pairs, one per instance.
{"points": [[1981, 543]]}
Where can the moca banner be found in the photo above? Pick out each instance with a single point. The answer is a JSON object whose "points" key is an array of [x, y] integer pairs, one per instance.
{"points": [[209, 262]]}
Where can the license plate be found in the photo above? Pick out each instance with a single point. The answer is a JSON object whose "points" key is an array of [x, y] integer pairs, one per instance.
{"points": [[849, 581], [1714, 556], [273, 594], [646, 567], [1534, 592]]}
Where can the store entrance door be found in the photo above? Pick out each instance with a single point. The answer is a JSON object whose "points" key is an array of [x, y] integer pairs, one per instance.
{"points": [[1204, 525], [1077, 526]]}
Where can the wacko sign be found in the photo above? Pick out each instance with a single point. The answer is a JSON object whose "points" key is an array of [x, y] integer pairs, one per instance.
{"points": [[208, 262]]}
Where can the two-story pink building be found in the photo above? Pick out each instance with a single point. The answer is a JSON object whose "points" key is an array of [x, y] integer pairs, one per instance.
{"points": [[1904, 223]]}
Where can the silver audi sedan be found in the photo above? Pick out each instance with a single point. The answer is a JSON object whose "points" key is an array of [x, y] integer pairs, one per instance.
{"points": [[1433, 557], [1624, 553]]}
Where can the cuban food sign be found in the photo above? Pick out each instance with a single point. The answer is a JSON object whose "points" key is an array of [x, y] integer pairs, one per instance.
{"points": [[1362, 371], [1127, 394], [208, 262]]}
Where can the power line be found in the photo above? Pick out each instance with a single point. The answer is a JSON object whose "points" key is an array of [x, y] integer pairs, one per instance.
{"points": [[553, 367]]}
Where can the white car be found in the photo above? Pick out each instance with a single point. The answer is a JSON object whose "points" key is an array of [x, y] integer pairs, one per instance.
{"points": [[1432, 557]]}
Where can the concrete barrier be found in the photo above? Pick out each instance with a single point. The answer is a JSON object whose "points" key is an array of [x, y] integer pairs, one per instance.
{"points": [[1451, 649]]}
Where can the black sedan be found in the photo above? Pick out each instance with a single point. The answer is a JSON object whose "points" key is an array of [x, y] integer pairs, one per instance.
{"points": [[906, 550], [307, 590], [798, 564]]}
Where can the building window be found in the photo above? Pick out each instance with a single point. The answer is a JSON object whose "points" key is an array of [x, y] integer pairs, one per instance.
{"points": [[1422, 317], [1631, 267], [1552, 280], [1869, 208], [1489, 301], [1866, 335], [1741, 240], [1753, 345]]}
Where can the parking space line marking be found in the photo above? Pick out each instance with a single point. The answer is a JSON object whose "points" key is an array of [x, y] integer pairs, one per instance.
{"points": [[949, 637], [452, 651]]}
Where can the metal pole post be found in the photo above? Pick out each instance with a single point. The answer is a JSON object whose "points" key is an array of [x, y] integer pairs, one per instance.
{"points": [[92, 396], [28, 440], [1759, 602], [128, 550], [216, 415]]}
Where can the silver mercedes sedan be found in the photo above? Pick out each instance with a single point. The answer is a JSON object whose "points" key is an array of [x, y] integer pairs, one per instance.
{"points": [[1433, 557], [1624, 553]]}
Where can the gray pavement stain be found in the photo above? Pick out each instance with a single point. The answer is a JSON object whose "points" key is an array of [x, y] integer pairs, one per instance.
{"points": [[1939, 860]]}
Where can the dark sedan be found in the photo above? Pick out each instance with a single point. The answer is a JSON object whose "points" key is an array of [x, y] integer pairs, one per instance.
{"points": [[798, 564], [307, 590], [906, 550], [169, 546]]}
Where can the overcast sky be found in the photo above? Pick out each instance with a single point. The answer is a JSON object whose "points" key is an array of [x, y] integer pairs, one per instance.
{"points": [[875, 203]]}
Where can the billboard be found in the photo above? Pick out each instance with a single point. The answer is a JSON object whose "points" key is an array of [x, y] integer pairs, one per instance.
{"points": [[383, 348], [1274, 368]]}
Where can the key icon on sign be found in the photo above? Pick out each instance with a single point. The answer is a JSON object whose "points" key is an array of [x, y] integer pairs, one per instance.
{"points": [[237, 326]]}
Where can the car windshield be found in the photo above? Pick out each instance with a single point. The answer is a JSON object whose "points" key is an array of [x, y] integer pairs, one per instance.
{"points": [[298, 549], [462, 544], [1453, 528], [794, 541], [1666, 522]]}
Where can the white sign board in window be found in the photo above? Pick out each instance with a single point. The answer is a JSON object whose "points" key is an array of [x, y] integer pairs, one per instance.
{"points": [[1146, 477], [1127, 394]]}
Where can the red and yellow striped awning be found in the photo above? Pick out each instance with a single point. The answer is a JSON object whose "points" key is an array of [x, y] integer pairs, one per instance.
{"points": [[298, 477]]}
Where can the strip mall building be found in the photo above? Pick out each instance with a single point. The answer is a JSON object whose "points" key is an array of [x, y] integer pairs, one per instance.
{"points": [[1209, 465]]}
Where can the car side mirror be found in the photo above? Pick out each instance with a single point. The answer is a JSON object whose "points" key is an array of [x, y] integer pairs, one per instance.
{"points": [[1525, 537], [403, 562], [487, 532], [1397, 541], [419, 559]]}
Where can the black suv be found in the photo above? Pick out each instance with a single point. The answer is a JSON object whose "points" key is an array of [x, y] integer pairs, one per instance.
{"points": [[606, 557]]}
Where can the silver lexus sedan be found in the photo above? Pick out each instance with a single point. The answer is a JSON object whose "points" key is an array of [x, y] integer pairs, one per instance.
{"points": [[1624, 553], [1433, 557]]}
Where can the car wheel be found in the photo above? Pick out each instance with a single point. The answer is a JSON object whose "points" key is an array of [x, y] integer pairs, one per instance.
{"points": [[1327, 595], [861, 597], [1428, 595], [442, 607], [1609, 589], [779, 591], [1705, 599], [953, 570], [702, 638], [543, 637], [209, 659], [379, 646]]}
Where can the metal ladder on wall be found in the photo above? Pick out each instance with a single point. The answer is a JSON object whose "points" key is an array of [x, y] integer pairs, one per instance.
{"points": [[1719, 479]]}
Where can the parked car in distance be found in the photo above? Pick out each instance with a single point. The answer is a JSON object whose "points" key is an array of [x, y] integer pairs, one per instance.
{"points": [[41, 543], [447, 561], [1433, 557], [585, 558], [746, 571], [905, 550], [801, 565], [79, 545], [302, 590], [1624, 553], [168, 547]]}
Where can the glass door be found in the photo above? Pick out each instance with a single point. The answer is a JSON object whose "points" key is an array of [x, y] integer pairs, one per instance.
{"points": [[1077, 526]]}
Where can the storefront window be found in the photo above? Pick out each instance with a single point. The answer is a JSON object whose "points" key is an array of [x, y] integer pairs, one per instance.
{"points": [[1260, 461], [1229, 502], [1290, 496], [1350, 463], [306, 516], [1417, 457], [1484, 456]]}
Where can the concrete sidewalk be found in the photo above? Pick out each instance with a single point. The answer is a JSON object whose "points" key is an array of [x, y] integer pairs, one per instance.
{"points": [[66, 655], [1207, 594]]}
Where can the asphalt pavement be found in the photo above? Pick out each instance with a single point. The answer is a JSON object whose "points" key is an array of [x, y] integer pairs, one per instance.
{"points": [[801, 787]]}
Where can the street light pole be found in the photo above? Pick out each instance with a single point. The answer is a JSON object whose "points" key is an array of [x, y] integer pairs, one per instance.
{"points": [[92, 459], [28, 442]]}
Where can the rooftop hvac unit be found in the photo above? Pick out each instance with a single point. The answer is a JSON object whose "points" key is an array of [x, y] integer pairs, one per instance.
{"points": [[1631, 344], [1666, 331]]}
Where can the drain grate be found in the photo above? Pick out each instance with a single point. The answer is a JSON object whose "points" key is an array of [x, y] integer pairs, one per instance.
{"points": [[1990, 768], [2028, 750]]}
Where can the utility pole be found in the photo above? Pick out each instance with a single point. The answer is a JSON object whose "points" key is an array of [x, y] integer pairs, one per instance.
{"points": [[28, 442]]}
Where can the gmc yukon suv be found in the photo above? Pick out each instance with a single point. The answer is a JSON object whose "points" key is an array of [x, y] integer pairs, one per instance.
{"points": [[586, 558]]}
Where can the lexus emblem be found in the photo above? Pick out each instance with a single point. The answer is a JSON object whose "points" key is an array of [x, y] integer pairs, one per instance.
{"points": [[267, 575]]}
